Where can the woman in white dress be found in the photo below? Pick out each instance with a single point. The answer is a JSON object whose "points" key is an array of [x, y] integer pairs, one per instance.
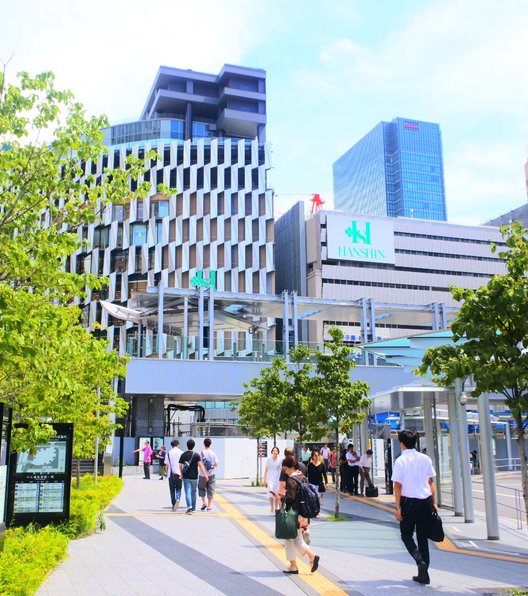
{"points": [[271, 478]]}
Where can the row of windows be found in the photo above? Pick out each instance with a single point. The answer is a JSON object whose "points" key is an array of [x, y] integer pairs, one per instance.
{"points": [[379, 284], [448, 238], [365, 265], [443, 255]]}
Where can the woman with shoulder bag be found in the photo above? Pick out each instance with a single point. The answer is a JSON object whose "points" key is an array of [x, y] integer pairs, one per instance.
{"points": [[317, 473], [296, 546]]}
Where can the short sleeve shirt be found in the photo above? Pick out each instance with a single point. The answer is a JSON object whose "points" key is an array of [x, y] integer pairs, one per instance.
{"points": [[210, 456], [194, 458], [412, 470], [365, 461], [352, 459]]}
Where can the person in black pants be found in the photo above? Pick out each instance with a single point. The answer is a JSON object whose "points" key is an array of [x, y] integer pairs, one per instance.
{"points": [[414, 495], [344, 473]]}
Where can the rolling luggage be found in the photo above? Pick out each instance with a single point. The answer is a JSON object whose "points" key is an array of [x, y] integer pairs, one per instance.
{"points": [[371, 491]]}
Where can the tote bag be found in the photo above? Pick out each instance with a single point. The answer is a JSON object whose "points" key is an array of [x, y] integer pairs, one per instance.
{"points": [[435, 531], [286, 523]]}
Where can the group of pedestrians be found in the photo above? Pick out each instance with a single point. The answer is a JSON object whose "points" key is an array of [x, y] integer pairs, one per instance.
{"points": [[354, 470], [187, 470]]}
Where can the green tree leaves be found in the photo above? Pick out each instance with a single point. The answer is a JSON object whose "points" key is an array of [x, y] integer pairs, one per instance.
{"points": [[493, 320]]}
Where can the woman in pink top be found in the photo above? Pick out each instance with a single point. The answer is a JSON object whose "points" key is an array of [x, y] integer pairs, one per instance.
{"points": [[332, 463]]}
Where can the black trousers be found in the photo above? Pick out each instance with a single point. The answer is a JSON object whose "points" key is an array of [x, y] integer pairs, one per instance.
{"points": [[146, 469], [354, 475], [416, 514], [345, 477]]}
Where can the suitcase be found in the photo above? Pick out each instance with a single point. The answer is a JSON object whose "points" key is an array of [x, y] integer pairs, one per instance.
{"points": [[371, 491]]}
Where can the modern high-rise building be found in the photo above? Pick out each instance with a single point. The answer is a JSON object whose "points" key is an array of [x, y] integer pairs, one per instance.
{"points": [[209, 133], [395, 170]]}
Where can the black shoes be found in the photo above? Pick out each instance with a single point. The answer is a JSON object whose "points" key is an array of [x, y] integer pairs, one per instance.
{"points": [[291, 571], [203, 507], [423, 575], [315, 564]]}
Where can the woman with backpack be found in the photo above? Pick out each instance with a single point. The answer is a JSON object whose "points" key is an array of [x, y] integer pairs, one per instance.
{"points": [[296, 547]]}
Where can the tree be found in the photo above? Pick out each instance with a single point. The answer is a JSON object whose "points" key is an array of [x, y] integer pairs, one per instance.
{"points": [[50, 366], [337, 402], [494, 323]]}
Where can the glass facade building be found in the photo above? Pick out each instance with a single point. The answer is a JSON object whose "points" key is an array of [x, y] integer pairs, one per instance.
{"points": [[395, 170]]}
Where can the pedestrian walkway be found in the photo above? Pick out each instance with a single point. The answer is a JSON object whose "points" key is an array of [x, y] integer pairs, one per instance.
{"points": [[148, 549]]}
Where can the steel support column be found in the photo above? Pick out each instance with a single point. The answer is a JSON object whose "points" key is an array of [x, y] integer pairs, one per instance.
{"points": [[487, 467], [455, 455], [210, 355], [507, 438], [285, 326], [161, 288], [363, 434], [200, 322], [428, 426], [295, 322], [463, 442], [185, 327]]}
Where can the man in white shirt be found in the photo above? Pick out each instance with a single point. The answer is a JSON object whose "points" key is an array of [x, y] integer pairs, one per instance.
{"points": [[175, 482], [325, 452], [414, 495], [365, 465], [353, 458]]}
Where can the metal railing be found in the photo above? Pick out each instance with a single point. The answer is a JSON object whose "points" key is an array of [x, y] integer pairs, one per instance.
{"points": [[517, 508]]}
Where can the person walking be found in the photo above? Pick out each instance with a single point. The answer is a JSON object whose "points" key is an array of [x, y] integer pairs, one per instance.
{"points": [[305, 454], [415, 498], [175, 479], [207, 487], [332, 463], [189, 463], [353, 458], [317, 474], [160, 455], [365, 465], [272, 473], [325, 452], [147, 458], [344, 472], [296, 547]]}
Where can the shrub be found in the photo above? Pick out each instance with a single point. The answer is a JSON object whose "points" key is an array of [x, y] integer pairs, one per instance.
{"points": [[28, 555]]}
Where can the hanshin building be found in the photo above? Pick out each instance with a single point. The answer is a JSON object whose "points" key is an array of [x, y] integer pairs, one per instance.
{"points": [[380, 261]]}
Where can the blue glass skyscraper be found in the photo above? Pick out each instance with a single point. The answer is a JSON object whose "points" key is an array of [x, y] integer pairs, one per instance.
{"points": [[396, 169]]}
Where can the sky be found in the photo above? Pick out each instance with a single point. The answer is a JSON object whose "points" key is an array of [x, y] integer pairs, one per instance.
{"points": [[335, 68]]}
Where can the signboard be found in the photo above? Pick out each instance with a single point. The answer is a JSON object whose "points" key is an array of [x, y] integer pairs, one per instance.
{"points": [[40, 483], [263, 449], [199, 281], [359, 238]]}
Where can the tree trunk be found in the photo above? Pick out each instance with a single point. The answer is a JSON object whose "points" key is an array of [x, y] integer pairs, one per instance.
{"points": [[521, 445], [337, 476], [257, 480]]}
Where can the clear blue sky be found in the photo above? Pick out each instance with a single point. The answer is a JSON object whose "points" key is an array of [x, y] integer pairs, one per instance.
{"points": [[335, 68]]}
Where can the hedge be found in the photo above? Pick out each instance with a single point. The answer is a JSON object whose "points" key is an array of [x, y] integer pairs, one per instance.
{"points": [[30, 553]]}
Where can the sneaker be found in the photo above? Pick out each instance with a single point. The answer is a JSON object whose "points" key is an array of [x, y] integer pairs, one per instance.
{"points": [[189, 511], [203, 507], [306, 536], [175, 506]]}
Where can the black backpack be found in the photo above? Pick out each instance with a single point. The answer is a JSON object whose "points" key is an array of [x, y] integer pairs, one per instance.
{"points": [[308, 499]]}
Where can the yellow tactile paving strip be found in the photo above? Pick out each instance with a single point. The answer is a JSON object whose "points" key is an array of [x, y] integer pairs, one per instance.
{"points": [[316, 581]]}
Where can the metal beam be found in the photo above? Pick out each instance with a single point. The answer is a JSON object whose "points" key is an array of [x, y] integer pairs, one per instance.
{"points": [[454, 453], [161, 287]]}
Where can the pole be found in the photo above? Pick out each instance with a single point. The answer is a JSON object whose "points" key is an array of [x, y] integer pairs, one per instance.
{"points": [[463, 442], [161, 297], [211, 324], [455, 455], [200, 322], [428, 426], [487, 467]]}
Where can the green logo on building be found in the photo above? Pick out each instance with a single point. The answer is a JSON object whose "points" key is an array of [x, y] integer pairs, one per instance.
{"points": [[356, 235], [199, 281]]}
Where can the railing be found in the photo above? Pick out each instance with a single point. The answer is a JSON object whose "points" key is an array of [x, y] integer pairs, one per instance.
{"points": [[205, 429], [517, 508], [145, 345]]}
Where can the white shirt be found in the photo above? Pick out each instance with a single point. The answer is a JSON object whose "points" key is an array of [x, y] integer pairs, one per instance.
{"points": [[325, 452], [350, 457], [211, 456], [173, 459], [413, 470], [365, 461]]}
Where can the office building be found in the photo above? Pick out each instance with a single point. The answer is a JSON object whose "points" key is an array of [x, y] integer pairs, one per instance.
{"points": [[395, 170], [517, 214], [381, 261], [209, 132]]}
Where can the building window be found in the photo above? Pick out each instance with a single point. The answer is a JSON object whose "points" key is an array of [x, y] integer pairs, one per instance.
{"points": [[101, 237], [139, 234], [159, 208], [140, 210], [200, 130], [118, 212]]}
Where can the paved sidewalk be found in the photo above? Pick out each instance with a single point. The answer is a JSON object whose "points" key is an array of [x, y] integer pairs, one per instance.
{"points": [[147, 548]]}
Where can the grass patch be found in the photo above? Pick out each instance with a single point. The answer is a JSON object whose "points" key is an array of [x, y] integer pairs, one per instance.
{"points": [[339, 518], [30, 553]]}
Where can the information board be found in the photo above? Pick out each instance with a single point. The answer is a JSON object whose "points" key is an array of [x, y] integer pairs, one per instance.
{"points": [[40, 482]]}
